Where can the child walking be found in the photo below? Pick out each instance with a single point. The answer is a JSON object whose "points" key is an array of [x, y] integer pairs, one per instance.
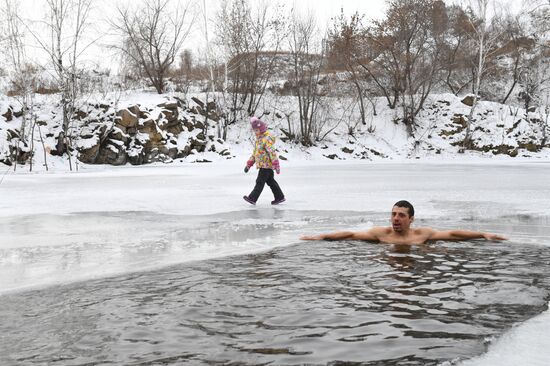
{"points": [[266, 160]]}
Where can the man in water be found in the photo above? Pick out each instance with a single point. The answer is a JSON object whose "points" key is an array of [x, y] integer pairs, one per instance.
{"points": [[402, 216]]}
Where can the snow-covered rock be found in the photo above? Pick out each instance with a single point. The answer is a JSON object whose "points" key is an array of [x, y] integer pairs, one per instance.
{"points": [[144, 128]]}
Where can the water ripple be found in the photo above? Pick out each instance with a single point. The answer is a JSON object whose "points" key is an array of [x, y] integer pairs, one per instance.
{"points": [[330, 303]]}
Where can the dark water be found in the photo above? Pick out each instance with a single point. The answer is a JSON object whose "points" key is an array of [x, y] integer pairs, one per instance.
{"points": [[337, 303]]}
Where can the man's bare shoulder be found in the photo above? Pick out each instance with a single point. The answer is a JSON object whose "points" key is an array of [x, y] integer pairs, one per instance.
{"points": [[424, 231], [373, 234], [382, 229]]}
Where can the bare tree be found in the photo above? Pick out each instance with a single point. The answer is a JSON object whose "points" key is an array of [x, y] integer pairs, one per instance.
{"points": [[307, 58], [544, 115], [534, 76], [421, 59], [486, 33], [251, 38], [456, 53], [185, 70], [518, 47], [347, 42], [22, 76], [152, 36], [400, 54], [66, 22]]}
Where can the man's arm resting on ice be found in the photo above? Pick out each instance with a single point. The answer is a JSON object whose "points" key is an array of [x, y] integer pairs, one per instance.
{"points": [[369, 235], [464, 235]]}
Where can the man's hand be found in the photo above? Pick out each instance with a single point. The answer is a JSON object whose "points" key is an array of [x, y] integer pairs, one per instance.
{"points": [[490, 236]]}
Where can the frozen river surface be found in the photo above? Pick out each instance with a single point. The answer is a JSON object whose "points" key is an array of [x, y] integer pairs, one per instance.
{"points": [[158, 265]]}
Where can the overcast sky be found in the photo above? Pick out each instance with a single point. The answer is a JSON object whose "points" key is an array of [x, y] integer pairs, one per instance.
{"points": [[324, 10]]}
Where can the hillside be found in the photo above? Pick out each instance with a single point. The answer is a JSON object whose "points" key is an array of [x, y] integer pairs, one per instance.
{"points": [[142, 127]]}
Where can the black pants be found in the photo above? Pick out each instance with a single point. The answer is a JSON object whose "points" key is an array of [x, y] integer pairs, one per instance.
{"points": [[266, 176]]}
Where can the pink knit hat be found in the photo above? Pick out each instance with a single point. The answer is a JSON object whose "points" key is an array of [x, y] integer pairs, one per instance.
{"points": [[257, 124]]}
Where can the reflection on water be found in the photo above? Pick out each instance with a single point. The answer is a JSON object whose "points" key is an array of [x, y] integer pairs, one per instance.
{"points": [[311, 303]]}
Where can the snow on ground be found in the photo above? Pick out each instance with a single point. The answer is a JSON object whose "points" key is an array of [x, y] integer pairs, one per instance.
{"points": [[526, 344]]}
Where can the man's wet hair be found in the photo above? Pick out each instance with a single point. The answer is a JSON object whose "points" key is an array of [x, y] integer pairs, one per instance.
{"points": [[407, 205]]}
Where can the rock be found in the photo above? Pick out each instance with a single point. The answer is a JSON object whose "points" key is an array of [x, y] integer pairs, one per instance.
{"points": [[199, 125], [198, 144], [8, 115], [174, 128], [214, 116], [100, 129], [113, 154], [137, 111], [529, 146], [170, 115], [173, 106], [201, 137], [172, 152], [6, 161], [105, 107], [86, 135], [136, 159], [149, 127], [80, 114], [180, 102], [189, 125], [458, 119], [117, 134], [135, 153], [468, 100], [198, 101], [127, 118], [11, 134], [18, 113], [89, 155]]}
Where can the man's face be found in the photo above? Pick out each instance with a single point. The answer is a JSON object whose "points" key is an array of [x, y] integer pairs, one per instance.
{"points": [[400, 219]]}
